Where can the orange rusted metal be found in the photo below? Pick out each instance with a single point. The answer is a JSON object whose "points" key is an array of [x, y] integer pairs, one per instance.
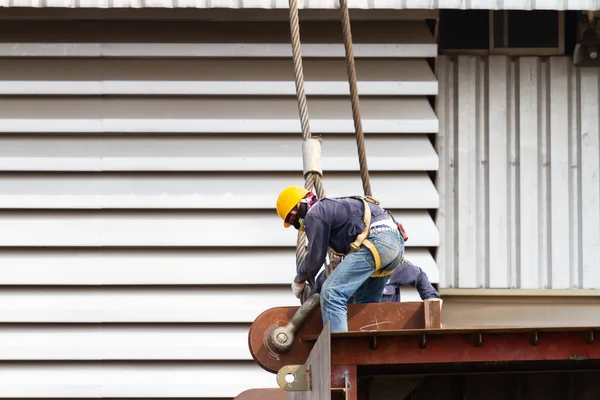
{"points": [[361, 318]]}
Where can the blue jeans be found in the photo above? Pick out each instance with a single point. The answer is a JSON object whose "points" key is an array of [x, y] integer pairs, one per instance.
{"points": [[353, 277]]}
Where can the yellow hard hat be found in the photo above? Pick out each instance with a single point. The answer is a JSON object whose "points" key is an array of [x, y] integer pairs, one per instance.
{"points": [[287, 200]]}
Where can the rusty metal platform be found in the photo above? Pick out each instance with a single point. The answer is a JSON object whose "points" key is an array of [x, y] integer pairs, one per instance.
{"points": [[395, 350], [361, 318]]}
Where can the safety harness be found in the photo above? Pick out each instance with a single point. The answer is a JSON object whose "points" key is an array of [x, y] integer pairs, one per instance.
{"points": [[362, 238]]}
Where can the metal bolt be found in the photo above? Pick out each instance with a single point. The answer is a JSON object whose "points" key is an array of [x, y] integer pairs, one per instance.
{"points": [[282, 337]]}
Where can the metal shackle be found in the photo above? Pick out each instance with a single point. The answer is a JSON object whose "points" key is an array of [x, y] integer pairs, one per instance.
{"points": [[282, 338]]}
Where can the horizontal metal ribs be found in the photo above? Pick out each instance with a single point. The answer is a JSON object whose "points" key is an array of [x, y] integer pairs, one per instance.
{"points": [[452, 346]]}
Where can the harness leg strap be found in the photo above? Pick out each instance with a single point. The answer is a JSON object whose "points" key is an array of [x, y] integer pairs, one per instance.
{"points": [[361, 239]]}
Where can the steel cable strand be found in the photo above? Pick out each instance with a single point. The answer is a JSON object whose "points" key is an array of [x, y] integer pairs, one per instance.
{"points": [[351, 69], [312, 179]]}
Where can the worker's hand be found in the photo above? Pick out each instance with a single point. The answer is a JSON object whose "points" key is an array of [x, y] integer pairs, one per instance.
{"points": [[297, 288]]}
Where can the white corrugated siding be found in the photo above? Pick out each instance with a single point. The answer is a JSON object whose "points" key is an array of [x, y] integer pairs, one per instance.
{"points": [[138, 236], [318, 4], [519, 173]]}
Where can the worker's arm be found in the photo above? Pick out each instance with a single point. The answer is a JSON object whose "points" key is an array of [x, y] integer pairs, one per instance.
{"points": [[317, 233], [408, 274]]}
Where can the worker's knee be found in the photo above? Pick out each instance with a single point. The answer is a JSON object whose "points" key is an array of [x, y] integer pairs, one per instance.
{"points": [[331, 297]]}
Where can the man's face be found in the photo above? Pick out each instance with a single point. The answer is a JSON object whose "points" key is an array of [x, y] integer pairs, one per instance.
{"points": [[293, 219]]}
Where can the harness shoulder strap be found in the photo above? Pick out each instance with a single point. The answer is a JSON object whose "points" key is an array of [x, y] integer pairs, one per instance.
{"points": [[363, 235], [361, 239], [369, 199]]}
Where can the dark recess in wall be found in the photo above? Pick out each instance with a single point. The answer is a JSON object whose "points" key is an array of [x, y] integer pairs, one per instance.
{"points": [[464, 29], [469, 29]]}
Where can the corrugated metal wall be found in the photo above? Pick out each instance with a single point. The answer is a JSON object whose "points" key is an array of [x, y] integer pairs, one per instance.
{"points": [[140, 166], [519, 173]]}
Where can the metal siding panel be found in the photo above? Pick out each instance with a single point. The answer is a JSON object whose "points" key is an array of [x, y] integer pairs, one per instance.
{"points": [[529, 170], [318, 4], [482, 174], [467, 172], [498, 167], [576, 253], [121, 279], [514, 179], [211, 77], [217, 153], [153, 305], [118, 342], [446, 180], [242, 50], [171, 228], [590, 177], [131, 380], [211, 115], [203, 267], [197, 191], [141, 305], [560, 191], [543, 186]]}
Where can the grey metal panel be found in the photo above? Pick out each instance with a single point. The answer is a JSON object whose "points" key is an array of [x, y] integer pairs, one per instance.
{"points": [[118, 342], [197, 191], [129, 200], [519, 173], [200, 266], [169, 304], [211, 115], [272, 153], [171, 228], [211, 77], [319, 4], [141, 380]]}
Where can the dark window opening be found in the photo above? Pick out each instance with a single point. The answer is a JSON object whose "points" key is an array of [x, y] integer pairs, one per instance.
{"points": [[526, 29], [511, 29], [464, 29]]}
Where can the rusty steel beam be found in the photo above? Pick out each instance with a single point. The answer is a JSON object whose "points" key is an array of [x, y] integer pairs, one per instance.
{"points": [[361, 318], [314, 381], [343, 379], [451, 346]]}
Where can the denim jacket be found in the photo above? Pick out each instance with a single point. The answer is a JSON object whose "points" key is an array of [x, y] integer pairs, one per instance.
{"points": [[332, 223]]}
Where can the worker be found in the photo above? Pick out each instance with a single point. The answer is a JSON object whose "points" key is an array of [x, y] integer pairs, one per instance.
{"points": [[406, 274], [371, 250]]}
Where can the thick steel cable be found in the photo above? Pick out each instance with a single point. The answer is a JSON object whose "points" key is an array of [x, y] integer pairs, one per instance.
{"points": [[351, 68], [311, 179]]}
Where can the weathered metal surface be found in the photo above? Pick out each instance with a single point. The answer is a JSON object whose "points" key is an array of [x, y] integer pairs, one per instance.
{"points": [[361, 318], [520, 195], [447, 346], [508, 309], [433, 314], [344, 379], [263, 394], [300, 375], [317, 4], [319, 366]]}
